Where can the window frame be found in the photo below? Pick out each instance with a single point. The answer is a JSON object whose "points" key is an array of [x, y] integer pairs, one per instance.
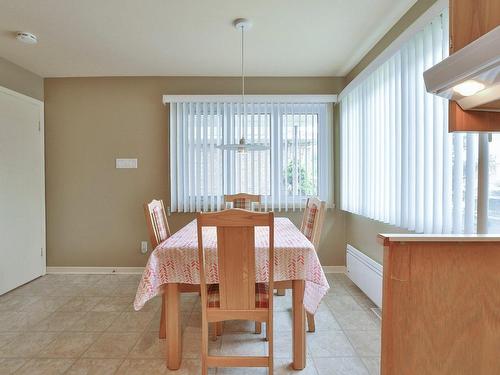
{"points": [[485, 196], [268, 106], [321, 164]]}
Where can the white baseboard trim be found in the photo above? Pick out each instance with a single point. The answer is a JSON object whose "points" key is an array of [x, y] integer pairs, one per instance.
{"points": [[334, 269], [139, 270], [95, 270]]}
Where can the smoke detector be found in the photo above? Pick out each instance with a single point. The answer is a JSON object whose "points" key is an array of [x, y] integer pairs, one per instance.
{"points": [[26, 37]]}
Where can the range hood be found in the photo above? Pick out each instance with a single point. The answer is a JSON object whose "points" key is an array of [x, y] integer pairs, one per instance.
{"points": [[470, 76]]}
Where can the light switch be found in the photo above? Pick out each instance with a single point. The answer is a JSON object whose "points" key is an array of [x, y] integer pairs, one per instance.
{"points": [[126, 163]]}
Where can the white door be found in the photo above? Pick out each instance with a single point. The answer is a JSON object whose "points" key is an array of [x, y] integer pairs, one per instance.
{"points": [[22, 195]]}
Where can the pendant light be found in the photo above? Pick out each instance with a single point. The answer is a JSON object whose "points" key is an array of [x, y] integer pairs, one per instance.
{"points": [[243, 146]]}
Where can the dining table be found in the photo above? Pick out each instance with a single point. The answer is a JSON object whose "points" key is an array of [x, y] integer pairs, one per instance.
{"points": [[173, 267]]}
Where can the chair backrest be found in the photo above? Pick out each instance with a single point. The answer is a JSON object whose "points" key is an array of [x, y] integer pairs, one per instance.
{"points": [[236, 255], [242, 200], [156, 220], [312, 221]]}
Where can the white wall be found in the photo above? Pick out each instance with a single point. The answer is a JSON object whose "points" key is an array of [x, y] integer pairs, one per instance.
{"points": [[21, 80]]}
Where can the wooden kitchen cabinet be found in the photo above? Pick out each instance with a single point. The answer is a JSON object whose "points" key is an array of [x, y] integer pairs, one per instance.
{"points": [[441, 305], [469, 19]]}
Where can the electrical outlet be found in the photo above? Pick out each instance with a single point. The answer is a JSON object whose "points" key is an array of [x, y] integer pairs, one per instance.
{"points": [[144, 247]]}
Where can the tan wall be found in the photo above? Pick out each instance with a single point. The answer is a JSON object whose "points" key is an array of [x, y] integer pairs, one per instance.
{"points": [[361, 232], [408, 18], [94, 211], [21, 80]]}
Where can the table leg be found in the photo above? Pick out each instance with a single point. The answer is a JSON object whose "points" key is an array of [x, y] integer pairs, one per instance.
{"points": [[174, 336], [299, 325], [163, 326]]}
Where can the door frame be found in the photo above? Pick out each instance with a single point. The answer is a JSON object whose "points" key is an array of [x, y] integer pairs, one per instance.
{"points": [[41, 122]]}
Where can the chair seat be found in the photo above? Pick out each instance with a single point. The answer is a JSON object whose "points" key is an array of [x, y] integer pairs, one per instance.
{"points": [[261, 295]]}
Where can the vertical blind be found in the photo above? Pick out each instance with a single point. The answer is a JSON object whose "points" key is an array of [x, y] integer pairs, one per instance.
{"points": [[399, 164], [297, 164]]}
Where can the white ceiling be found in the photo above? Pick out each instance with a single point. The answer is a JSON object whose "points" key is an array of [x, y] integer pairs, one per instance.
{"points": [[188, 37]]}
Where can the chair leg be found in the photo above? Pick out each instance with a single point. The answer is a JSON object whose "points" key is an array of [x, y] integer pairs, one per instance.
{"points": [[258, 328], [204, 347], [270, 348], [281, 292], [311, 325], [163, 329]]}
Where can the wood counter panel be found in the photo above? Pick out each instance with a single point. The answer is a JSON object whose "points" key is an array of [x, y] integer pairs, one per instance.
{"points": [[445, 317]]}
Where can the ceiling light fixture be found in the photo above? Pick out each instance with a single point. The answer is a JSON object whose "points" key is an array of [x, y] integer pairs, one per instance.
{"points": [[243, 146], [468, 88], [26, 37]]}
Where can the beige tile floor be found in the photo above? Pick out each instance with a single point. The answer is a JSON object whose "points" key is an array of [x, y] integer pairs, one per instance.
{"points": [[85, 324]]}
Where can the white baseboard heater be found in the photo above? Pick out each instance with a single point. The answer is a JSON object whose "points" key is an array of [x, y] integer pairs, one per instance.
{"points": [[365, 273]]}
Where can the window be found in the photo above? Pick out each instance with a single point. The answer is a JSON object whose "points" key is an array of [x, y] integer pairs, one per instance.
{"points": [[399, 164], [494, 184], [297, 165]]}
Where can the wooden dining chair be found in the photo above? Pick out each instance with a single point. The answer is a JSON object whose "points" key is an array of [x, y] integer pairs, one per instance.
{"points": [[237, 296], [311, 227], [313, 219], [159, 231], [242, 200]]}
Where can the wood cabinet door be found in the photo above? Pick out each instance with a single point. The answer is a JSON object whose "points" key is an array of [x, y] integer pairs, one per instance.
{"points": [[469, 19]]}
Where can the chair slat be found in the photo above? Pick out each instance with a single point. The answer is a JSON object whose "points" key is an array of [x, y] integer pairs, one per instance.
{"points": [[236, 256], [155, 222], [234, 218], [237, 361], [242, 199], [218, 315]]}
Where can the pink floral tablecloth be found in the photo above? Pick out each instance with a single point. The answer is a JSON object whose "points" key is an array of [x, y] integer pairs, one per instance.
{"points": [[175, 260]]}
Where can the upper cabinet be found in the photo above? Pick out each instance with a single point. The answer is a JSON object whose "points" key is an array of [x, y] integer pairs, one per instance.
{"points": [[469, 19]]}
